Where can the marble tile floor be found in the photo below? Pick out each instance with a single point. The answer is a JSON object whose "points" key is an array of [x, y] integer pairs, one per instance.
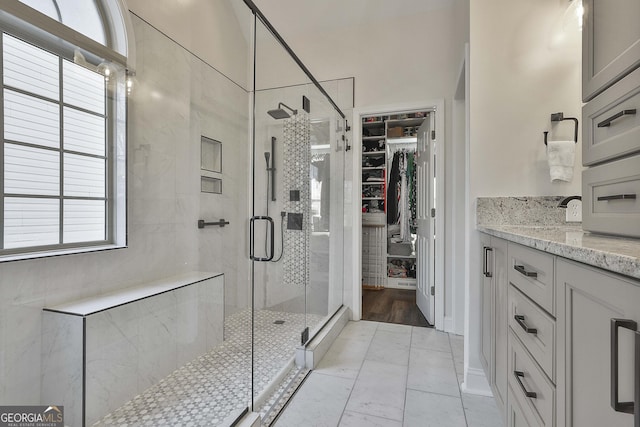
{"points": [[380, 374], [217, 385]]}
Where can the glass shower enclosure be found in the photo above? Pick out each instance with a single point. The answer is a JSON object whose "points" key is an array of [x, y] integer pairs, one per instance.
{"points": [[297, 204]]}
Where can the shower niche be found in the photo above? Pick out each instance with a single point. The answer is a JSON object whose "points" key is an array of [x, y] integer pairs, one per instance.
{"points": [[210, 165]]}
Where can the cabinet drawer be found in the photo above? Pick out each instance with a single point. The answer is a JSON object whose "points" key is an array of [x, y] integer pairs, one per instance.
{"points": [[610, 43], [526, 377], [610, 194], [519, 414], [610, 127], [531, 271], [535, 328]]}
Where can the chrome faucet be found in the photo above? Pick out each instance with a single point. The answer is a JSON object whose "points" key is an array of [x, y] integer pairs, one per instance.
{"points": [[564, 202]]}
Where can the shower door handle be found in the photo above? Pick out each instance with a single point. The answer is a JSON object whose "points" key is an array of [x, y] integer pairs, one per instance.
{"points": [[252, 237]]}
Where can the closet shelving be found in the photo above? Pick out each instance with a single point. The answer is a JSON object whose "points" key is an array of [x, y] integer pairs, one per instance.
{"points": [[374, 166], [402, 133], [374, 193], [380, 136]]}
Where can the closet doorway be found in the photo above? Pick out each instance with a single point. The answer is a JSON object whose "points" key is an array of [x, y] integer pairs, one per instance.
{"points": [[398, 213]]}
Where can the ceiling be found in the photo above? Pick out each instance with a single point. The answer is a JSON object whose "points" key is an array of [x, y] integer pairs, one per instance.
{"points": [[293, 17]]}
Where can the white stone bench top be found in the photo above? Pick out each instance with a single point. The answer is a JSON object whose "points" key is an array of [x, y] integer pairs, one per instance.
{"points": [[92, 305]]}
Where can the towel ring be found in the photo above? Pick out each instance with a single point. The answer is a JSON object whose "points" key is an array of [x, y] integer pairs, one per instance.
{"points": [[558, 117]]}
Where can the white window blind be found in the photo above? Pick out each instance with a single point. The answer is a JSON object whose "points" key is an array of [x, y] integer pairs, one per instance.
{"points": [[30, 68], [31, 120], [55, 174], [29, 170], [31, 222]]}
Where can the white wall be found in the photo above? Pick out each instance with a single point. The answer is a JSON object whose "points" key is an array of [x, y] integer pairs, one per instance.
{"points": [[406, 52], [217, 31], [176, 97], [524, 66], [522, 70]]}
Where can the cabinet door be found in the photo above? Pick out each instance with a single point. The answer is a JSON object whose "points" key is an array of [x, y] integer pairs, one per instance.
{"points": [[500, 329], [610, 43], [587, 301], [517, 416], [486, 306]]}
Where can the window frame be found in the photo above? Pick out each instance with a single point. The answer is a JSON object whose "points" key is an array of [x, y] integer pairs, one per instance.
{"points": [[64, 42]]}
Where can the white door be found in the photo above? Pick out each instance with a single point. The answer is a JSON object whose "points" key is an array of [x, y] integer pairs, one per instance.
{"points": [[425, 242]]}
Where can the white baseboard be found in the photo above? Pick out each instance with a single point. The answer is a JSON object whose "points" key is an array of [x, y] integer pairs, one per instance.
{"points": [[475, 382], [448, 324]]}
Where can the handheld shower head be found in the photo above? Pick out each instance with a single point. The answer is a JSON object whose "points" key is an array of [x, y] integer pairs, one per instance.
{"points": [[280, 113], [267, 155]]}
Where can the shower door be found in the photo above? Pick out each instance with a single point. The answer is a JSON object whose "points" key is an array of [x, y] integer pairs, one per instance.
{"points": [[295, 232], [279, 235], [279, 226]]}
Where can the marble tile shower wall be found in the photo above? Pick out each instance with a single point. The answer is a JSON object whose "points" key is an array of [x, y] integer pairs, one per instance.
{"points": [[176, 98]]}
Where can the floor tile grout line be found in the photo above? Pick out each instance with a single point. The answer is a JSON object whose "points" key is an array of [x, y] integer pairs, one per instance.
{"points": [[433, 349], [406, 381], [433, 392], [464, 411], [358, 375], [377, 416]]}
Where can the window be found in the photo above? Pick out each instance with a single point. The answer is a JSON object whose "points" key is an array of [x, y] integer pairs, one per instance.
{"points": [[63, 151]]}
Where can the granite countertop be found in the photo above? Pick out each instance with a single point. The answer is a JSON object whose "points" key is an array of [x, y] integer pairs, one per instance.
{"points": [[539, 222], [616, 254]]}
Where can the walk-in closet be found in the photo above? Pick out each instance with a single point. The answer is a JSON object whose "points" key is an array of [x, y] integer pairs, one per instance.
{"points": [[393, 181]]}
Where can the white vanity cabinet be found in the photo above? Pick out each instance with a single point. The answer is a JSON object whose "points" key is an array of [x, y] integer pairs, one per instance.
{"points": [[494, 316], [572, 327], [611, 123], [589, 301], [531, 335], [610, 43]]}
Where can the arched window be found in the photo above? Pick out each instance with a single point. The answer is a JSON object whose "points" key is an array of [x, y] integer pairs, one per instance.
{"points": [[82, 16], [64, 72]]}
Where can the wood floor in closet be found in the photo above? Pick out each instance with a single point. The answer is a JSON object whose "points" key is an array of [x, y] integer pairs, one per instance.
{"points": [[392, 306]]}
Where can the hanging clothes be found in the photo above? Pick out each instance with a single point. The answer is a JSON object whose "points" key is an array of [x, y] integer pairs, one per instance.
{"points": [[411, 177], [401, 193], [403, 204], [392, 190]]}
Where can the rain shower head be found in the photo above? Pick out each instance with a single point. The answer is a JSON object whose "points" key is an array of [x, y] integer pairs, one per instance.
{"points": [[280, 113]]}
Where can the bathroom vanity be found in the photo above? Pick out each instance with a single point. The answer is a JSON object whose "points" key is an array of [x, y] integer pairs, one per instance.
{"points": [[559, 311]]}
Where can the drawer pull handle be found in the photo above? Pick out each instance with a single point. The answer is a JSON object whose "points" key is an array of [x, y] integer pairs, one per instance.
{"points": [[520, 269], [531, 394], [607, 122], [485, 267], [520, 320], [625, 407], [617, 197]]}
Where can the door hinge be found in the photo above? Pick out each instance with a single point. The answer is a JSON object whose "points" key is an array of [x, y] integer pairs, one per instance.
{"points": [[433, 212], [304, 336], [433, 134], [433, 290]]}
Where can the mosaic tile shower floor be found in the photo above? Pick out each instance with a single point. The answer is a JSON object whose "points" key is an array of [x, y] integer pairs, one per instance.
{"points": [[215, 386]]}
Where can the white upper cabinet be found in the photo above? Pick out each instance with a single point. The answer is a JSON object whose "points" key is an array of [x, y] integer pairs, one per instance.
{"points": [[610, 43]]}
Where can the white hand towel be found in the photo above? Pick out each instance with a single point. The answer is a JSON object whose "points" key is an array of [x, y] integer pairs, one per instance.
{"points": [[561, 157]]}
